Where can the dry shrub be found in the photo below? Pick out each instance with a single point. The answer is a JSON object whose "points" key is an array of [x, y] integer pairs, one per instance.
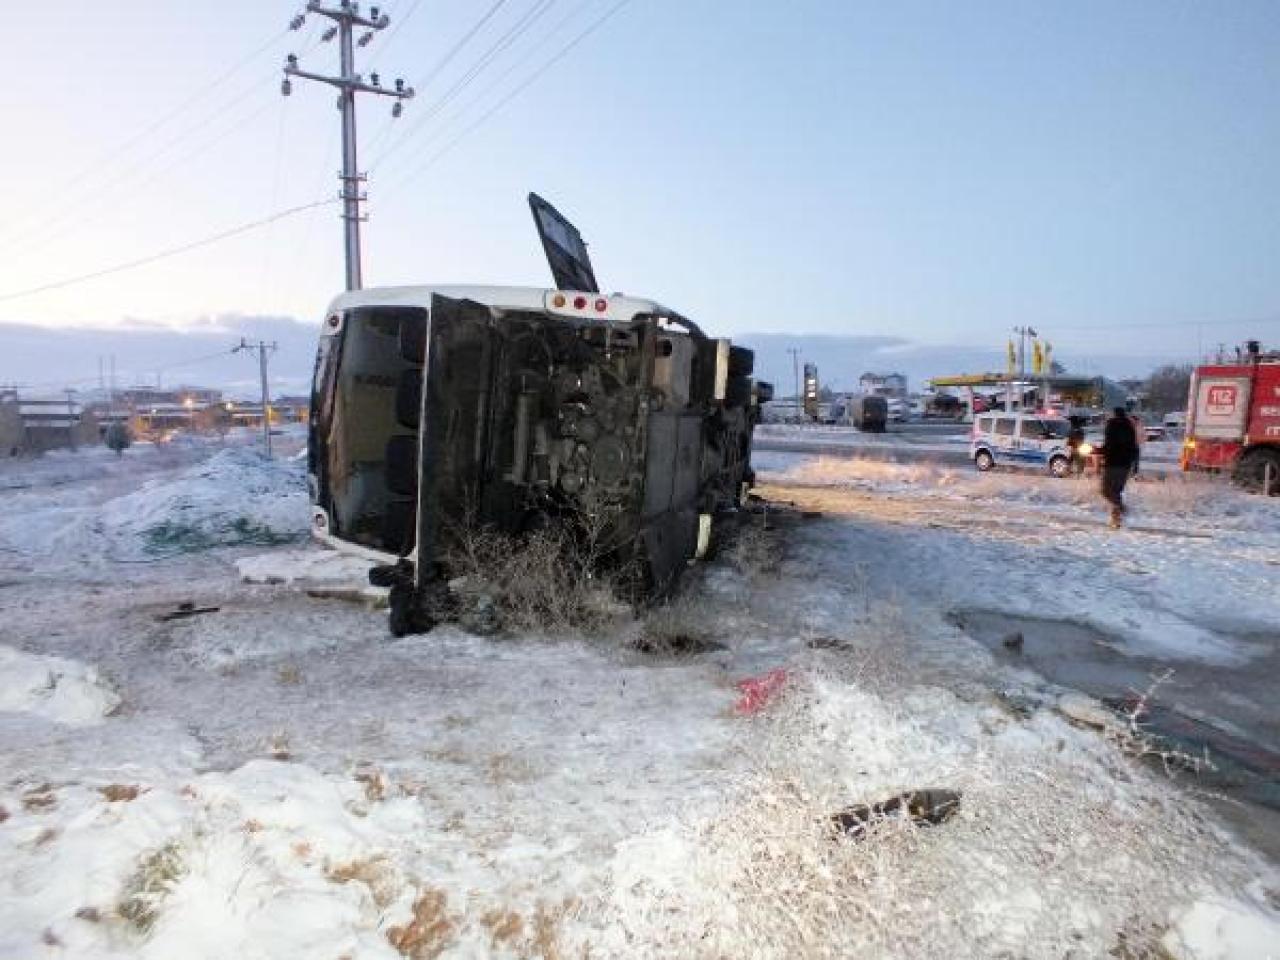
{"points": [[754, 549], [429, 932], [144, 892], [289, 675], [555, 579], [679, 627]]}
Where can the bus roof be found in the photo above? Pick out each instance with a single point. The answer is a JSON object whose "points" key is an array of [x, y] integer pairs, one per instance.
{"points": [[618, 307]]}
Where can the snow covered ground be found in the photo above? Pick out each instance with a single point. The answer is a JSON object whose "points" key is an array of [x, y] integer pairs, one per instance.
{"points": [[280, 778]]}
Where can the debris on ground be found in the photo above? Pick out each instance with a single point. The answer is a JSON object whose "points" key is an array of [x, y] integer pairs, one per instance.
{"points": [[924, 808]]}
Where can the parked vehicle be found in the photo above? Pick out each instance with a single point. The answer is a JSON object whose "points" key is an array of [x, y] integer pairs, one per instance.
{"points": [[1233, 419], [517, 407], [1175, 423], [869, 413], [1020, 439]]}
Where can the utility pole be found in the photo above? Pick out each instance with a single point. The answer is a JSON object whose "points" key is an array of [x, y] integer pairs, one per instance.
{"points": [[263, 348], [795, 364], [1023, 333], [346, 17]]}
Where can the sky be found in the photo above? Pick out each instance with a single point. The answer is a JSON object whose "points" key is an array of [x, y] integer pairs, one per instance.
{"points": [[916, 178]]}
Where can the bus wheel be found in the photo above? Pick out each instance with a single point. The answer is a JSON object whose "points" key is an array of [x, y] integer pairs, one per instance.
{"points": [[1059, 467], [983, 460]]}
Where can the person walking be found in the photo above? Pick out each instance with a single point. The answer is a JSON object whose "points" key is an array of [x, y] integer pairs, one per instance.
{"points": [[1119, 454]]}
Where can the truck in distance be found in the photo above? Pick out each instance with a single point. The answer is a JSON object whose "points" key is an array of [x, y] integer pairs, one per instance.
{"points": [[1233, 419]]}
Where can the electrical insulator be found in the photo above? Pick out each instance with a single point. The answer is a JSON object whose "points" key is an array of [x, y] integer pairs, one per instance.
{"points": [[396, 109], [286, 87], [399, 85], [373, 78], [365, 38], [291, 60], [297, 22], [329, 34]]}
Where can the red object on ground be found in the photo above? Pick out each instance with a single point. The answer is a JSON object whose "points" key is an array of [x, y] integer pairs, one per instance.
{"points": [[757, 692]]}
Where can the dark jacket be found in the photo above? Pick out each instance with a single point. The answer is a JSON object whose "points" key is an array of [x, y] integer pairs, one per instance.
{"points": [[1120, 443]]}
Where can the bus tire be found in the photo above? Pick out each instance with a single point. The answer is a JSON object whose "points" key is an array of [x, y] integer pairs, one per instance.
{"points": [[984, 461], [1059, 467]]}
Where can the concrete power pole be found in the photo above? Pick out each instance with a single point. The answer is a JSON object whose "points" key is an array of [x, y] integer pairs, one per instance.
{"points": [[346, 17], [263, 348]]}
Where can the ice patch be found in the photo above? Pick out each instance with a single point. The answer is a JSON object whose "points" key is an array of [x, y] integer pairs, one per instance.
{"points": [[64, 691]]}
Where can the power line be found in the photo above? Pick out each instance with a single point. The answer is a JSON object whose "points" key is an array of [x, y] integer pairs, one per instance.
{"points": [[500, 80], [117, 155], [526, 83], [444, 62], [166, 254], [399, 23], [101, 212], [495, 50]]}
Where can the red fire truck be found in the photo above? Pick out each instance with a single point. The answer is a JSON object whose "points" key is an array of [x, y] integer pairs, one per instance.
{"points": [[1233, 419]]}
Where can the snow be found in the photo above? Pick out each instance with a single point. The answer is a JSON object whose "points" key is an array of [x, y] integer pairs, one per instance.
{"points": [[280, 778], [1193, 575], [1215, 929], [60, 690]]}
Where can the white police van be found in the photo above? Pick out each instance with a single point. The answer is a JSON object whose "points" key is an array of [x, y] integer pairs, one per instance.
{"points": [[1022, 440]]}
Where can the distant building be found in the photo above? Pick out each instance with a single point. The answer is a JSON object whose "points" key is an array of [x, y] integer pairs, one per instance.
{"points": [[884, 384], [34, 425]]}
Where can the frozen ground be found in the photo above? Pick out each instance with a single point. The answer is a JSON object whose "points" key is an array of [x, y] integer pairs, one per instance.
{"points": [[279, 778]]}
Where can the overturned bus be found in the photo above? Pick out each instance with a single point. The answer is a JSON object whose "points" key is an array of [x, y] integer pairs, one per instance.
{"points": [[515, 407]]}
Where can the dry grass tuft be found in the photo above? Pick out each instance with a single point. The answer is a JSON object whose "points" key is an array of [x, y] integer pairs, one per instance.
{"points": [[144, 892], [376, 873], [374, 782], [289, 675], [120, 792], [505, 927], [39, 798], [430, 931]]}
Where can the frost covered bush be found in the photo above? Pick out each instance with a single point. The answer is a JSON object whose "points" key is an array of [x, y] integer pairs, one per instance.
{"points": [[553, 579], [1045, 857]]}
